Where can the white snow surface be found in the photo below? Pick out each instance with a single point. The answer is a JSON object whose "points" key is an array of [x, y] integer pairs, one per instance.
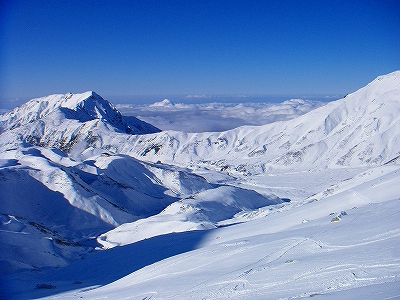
{"points": [[307, 207], [70, 110]]}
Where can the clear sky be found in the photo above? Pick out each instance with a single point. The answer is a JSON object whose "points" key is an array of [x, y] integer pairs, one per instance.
{"points": [[195, 47]]}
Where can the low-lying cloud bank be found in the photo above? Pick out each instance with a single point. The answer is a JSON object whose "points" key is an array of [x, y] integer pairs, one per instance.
{"points": [[167, 115]]}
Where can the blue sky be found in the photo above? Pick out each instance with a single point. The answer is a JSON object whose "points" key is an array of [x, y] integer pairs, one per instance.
{"points": [[124, 48]]}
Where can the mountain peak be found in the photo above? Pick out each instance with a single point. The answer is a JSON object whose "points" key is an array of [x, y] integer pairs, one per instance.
{"points": [[164, 103], [82, 107]]}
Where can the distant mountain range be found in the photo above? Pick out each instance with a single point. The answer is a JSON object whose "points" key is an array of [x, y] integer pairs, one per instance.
{"points": [[361, 129]]}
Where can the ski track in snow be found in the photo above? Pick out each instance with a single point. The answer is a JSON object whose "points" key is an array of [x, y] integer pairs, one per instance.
{"points": [[229, 283]]}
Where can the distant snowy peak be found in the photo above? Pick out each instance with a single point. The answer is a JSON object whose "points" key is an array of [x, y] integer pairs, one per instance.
{"points": [[81, 107], [164, 103]]}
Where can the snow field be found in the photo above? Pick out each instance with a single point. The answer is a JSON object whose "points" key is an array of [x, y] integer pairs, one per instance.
{"points": [[280, 256], [302, 208]]}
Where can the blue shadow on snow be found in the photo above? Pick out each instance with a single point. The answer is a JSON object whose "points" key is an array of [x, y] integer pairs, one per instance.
{"points": [[106, 266]]}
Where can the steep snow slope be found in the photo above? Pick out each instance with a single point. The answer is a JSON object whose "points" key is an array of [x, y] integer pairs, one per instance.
{"points": [[57, 204], [361, 129]]}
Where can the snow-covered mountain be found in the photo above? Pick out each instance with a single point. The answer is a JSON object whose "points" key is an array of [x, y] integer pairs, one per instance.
{"points": [[361, 129], [84, 107], [98, 205], [62, 120]]}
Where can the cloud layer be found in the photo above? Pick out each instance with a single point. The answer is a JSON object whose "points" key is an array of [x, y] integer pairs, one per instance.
{"points": [[207, 117]]}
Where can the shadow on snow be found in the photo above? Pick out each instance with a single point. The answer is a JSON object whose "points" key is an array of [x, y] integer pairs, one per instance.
{"points": [[106, 266]]}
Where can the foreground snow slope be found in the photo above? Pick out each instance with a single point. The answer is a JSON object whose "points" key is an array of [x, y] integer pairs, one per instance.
{"points": [[341, 245], [54, 207]]}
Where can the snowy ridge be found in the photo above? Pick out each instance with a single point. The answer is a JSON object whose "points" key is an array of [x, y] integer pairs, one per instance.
{"points": [[84, 107], [361, 129]]}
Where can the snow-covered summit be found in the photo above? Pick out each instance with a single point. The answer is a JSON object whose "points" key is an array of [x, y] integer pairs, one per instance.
{"points": [[164, 103], [81, 107]]}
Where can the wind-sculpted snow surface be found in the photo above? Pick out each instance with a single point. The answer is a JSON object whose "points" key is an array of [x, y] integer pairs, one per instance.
{"points": [[67, 204], [200, 211]]}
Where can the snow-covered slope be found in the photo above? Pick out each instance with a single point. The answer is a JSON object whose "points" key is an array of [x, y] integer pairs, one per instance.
{"points": [[82, 212], [81, 107], [62, 121], [66, 204], [342, 245], [200, 211], [361, 129]]}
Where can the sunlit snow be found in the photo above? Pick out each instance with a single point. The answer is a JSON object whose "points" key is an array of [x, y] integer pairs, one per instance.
{"points": [[97, 205]]}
